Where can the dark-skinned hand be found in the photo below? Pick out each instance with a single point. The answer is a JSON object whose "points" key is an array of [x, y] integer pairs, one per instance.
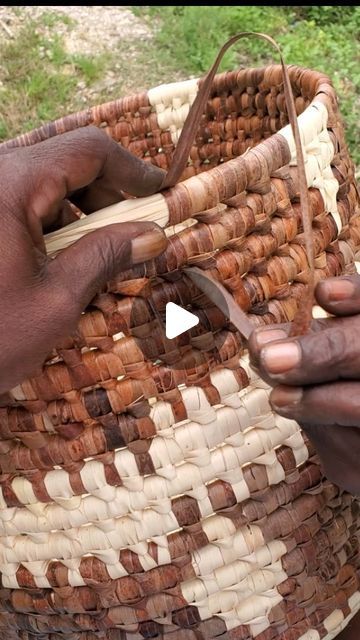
{"points": [[316, 378], [42, 298]]}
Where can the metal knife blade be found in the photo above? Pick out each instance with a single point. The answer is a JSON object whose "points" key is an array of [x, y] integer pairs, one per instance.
{"points": [[222, 299]]}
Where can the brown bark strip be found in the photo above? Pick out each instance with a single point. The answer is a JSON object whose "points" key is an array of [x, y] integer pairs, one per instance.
{"points": [[303, 316]]}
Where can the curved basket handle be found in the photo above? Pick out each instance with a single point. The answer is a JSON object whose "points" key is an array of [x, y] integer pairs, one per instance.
{"points": [[303, 316]]}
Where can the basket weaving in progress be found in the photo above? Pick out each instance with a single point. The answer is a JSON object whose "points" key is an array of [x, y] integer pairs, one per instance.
{"points": [[147, 489]]}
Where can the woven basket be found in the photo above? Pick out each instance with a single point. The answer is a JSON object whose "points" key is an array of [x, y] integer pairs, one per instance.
{"points": [[145, 500]]}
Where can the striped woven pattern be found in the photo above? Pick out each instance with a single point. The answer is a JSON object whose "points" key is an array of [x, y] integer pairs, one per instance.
{"points": [[147, 489]]}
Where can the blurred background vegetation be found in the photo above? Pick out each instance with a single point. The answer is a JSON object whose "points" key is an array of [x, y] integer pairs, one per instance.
{"points": [[40, 80]]}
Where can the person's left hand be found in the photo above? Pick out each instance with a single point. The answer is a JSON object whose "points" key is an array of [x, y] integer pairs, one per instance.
{"points": [[316, 378], [41, 298]]}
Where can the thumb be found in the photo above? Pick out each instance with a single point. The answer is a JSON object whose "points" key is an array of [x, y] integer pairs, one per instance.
{"points": [[85, 267], [339, 296]]}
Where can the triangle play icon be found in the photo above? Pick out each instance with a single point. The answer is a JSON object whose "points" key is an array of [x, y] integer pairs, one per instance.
{"points": [[178, 320]]}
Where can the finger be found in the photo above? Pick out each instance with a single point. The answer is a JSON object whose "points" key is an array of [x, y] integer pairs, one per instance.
{"points": [[324, 404], [85, 267], [339, 296], [265, 335], [319, 356], [338, 449], [330, 415], [62, 165], [69, 282], [277, 332]]}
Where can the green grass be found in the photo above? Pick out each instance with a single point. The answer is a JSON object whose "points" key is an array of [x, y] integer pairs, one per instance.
{"points": [[197, 32], [38, 78], [324, 38], [89, 67], [51, 19], [41, 81]]}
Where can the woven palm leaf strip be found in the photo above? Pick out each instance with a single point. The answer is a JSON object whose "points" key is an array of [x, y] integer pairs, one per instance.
{"points": [[147, 489]]}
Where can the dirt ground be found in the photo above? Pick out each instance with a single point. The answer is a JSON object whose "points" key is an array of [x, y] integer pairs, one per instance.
{"points": [[95, 28], [116, 31]]}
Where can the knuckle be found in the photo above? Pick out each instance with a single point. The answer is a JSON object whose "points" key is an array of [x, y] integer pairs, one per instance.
{"points": [[45, 173], [150, 178], [106, 256], [62, 295], [330, 348], [94, 136], [111, 252]]}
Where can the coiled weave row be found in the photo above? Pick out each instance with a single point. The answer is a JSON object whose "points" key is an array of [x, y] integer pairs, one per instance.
{"points": [[147, 490]]}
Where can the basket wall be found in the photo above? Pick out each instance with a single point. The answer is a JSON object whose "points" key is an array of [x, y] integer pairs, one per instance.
{"points": [[147, 490]]}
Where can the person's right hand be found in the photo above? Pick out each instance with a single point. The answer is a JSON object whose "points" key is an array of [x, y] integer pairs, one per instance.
{"points": [[316, 377], [42, 299]]}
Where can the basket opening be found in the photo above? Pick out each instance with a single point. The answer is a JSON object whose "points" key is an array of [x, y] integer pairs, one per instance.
{"points": [[245, 108]]}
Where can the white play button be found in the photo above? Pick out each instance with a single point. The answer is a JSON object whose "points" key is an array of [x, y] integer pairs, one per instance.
{"points": [[178, 320]]}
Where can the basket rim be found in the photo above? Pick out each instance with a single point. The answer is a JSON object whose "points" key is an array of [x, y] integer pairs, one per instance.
{"points": [[111, 110]]}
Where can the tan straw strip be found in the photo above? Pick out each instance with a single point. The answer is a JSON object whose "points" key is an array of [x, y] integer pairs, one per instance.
{"points": [[150, 209]]}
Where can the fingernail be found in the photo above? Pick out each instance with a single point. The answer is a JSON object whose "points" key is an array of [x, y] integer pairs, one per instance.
{"points": [[280, 357], [286, 397], [147, 245], [336, 290], [269, 335]]}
